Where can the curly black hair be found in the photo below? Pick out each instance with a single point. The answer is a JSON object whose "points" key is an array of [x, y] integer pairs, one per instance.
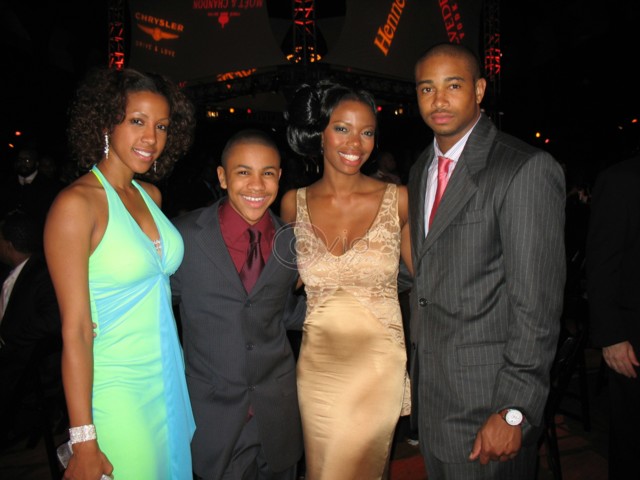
{"points": [[100, 104], [310, 110]]}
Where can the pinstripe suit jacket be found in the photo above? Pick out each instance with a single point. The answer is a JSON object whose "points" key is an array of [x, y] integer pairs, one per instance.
{"points": [[235, 345], [488, 288]]}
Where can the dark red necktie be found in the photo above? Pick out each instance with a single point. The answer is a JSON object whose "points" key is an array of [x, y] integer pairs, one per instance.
{"points": [[443, 174], [252, 267]]}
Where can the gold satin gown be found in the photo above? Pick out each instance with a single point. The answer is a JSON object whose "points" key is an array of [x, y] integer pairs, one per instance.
{"points": [[352, 380]]}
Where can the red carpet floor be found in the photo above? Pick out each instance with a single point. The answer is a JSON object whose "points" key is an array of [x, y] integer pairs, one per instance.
{"points": [[410, 468]]}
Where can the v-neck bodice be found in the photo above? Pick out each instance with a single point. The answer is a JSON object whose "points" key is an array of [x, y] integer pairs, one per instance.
{"points": [[368, 270], [124, 234]]}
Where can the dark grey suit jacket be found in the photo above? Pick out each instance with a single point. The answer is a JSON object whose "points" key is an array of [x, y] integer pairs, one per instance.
{"points": [[488, 288], [236, 347]]}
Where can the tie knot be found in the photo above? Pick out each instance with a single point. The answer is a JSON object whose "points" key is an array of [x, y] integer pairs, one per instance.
{"points": [[443, 165], [254, 235]]}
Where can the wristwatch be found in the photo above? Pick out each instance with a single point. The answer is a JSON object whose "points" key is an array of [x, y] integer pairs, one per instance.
{"points": [[512, 416]]}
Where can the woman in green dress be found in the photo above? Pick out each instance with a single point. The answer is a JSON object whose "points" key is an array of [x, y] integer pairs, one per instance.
{"points": [[110, 251]]}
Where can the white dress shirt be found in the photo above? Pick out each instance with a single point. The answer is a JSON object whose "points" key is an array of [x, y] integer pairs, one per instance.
{"points": [[7, 287]]}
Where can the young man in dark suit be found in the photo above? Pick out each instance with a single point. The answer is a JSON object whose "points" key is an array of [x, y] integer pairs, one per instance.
{"points": [[239, 363], [489, 271]]}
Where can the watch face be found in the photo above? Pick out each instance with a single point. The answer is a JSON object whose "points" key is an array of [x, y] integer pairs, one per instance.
{"points": [[513, 417]]}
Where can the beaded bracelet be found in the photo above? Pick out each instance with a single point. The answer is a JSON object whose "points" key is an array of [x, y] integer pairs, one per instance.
{"points": [[82, 433]]}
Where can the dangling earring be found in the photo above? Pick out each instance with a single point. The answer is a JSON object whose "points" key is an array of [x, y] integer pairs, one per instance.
{"points": [[155, 170], [106, 145]]}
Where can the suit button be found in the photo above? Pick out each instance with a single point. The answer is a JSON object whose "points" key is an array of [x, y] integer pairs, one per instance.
{"points": [[250, 346], [252, 388], [423, 302], [247, 303]]}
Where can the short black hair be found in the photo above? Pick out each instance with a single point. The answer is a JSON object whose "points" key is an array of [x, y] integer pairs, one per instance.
{"points": [[247, 136], [455, 50]]}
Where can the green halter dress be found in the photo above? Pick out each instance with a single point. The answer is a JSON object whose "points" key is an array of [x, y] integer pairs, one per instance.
{"points": [[141, 405]]}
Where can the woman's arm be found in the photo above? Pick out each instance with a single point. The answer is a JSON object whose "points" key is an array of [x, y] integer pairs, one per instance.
{"points": [[68, 243], [288, 207], [405, 237]]}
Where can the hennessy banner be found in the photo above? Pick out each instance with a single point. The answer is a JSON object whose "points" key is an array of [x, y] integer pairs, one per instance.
{"points": [[387, 36], [200, 40]]}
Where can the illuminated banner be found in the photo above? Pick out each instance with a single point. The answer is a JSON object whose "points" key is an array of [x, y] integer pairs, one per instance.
{"points": [[387, 36], [203, 40]]}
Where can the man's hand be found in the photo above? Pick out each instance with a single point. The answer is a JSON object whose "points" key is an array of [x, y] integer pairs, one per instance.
{"points": [[496, 441], [621, 358]]}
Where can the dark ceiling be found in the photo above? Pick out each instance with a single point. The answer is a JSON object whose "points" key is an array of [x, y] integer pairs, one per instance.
{"points": [[567, 71]]}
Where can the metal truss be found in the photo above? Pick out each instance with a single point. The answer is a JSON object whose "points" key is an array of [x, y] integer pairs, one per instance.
{"points": [[492, 58], [116, 34]]}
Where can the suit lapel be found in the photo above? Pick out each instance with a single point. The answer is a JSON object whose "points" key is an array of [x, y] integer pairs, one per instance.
{"points": [[209, 239], [417, 192], [460, 189], [462, 185], [281, 253]]}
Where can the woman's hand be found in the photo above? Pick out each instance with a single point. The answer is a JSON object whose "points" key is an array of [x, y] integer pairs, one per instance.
{"points": [[87, 462]]}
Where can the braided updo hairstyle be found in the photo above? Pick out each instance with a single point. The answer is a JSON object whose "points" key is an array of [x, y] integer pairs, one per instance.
{"points": [[310, 110]]}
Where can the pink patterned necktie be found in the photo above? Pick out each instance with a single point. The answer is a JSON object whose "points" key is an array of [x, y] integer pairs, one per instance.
{"points": [[252, 267], [443, 174]]}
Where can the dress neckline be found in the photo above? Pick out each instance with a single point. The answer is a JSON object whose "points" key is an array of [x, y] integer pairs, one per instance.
{"points": [[374, 222], [157, 243]]}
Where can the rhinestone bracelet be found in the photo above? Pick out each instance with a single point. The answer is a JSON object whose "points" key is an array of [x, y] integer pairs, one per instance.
{"points": [[82, 433]]}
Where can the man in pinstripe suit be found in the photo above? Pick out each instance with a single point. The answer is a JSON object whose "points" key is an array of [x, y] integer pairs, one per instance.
{"points": [[239, 363], [489, 275]]}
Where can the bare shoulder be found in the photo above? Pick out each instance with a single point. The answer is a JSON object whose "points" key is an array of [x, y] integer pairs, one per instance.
{"points": [[288, 206], [80, 196], [374, 186], [76, 209]]}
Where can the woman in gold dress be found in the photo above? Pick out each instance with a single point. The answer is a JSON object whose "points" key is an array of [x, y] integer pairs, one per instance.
{"points": [[350, 231]]}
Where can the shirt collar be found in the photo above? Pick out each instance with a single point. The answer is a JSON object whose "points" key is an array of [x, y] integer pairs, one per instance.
{"points": [[454, 152], [235, 226], [27, 180]]}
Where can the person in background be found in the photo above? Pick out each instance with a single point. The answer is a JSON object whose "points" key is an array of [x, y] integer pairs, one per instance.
{"points": [[110, 251], [387, 168], [350, 231], [28, 190], [613, 294], [489, 269], [235, 289], [29, 318]]}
